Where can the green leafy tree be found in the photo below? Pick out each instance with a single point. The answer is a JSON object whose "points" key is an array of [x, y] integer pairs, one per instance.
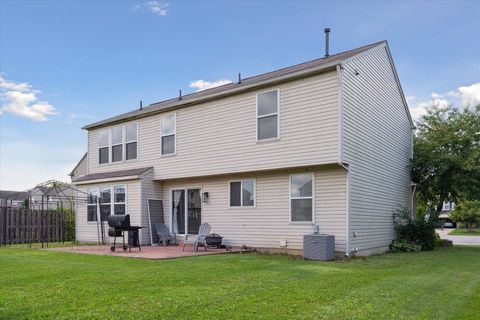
{"points": [[446, 163], [467, 212]]}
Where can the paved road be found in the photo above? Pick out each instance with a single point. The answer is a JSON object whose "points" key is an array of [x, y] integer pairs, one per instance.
{"points": [[463, 240]]}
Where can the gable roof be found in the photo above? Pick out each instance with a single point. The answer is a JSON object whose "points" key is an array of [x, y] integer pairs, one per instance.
{"points": [[78, 164], [112, 174], [13, 195], [280, 75]]}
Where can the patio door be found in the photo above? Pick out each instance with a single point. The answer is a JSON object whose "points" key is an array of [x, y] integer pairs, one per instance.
{"points": [[186, 211]]}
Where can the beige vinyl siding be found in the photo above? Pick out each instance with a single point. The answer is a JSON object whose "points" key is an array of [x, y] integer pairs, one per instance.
{"points": [[87, 231], [266, 224], [219, 137], [377, 140], [150, 190]]}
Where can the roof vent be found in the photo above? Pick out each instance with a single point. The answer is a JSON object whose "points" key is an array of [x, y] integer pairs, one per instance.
{"points": [[141, 105], [180, 95], [327, 41]]}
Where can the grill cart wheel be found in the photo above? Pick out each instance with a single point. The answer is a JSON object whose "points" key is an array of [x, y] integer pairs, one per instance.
{"points": [[112, 248], [125, 248]]}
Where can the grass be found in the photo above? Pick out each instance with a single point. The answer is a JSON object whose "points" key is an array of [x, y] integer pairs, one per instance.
{"points": [[464, 232], [40, 284]]}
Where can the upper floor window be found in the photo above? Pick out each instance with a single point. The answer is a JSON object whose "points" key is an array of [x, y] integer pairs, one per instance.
{"points": [[103, 143], [267, 115], [168, 128], [301, 197], [242, 193], [131, 141], [117, 144]]}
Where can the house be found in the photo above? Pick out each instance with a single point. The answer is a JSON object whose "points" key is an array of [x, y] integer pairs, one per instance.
{"points": [[13, 198], [80, 169], [50, 197], [444, 215], [264, 160]]}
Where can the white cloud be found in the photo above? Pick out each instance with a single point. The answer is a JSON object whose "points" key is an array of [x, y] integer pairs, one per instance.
{"points": [[464, 97], [21, 100], [470, 95], [156, 7], [203, 85]]}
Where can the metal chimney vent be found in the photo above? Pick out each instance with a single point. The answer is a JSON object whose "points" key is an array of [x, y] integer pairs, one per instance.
{"points": [[327, 42]]}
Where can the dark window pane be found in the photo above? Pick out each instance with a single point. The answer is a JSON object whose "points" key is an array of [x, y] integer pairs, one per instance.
{"points": [[267, 103], [117, 153], [235, 194], [178, 211], [105, 211], [119, 209], [119, 194], [248, 193], [91, 213], [103, 152], [131, 150], [301, 209], [168, 144], [194, 213], [105, 196], [302, 185], [267, 127]]}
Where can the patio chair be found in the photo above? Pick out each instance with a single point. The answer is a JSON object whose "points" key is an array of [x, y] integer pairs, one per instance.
{"points": [[200, 238], [164, 234]]}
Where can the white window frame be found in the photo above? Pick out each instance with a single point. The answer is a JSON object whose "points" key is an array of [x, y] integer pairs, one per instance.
{"points": [[122, 143], [185, 189], [112, 209], [267, 115], [89, 191], [241, 194], [109, 139], [312, 174], [127, 141], [104, 204], [174, 134]]}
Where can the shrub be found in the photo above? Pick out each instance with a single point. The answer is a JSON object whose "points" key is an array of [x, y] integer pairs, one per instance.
{"points": [[467, 212], [404, 246], [419, 231]]}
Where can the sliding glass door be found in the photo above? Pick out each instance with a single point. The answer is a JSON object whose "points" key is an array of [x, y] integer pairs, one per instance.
{"points": [[186, 211]]}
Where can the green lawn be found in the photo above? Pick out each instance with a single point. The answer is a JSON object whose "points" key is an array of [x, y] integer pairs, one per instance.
{"points": [[39, 284], [464, 232]]}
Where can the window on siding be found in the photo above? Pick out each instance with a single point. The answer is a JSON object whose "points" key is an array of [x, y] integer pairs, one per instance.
{"points": [[105, 203], [301, 197], [131, 141], [242, 193], [92, 204], [117, 144], [104, 146], [267, 115], [119, 200], [168, 128]]}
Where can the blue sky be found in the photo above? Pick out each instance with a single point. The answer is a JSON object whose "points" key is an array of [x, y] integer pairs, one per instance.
{"points": [[65, 64]]}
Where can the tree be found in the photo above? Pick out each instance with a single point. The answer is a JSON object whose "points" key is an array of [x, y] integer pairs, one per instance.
{"points": [[467, 212], [446, 162]]}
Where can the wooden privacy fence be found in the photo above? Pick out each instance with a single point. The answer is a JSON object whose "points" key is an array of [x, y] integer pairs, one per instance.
{"points": [[28, 225]]}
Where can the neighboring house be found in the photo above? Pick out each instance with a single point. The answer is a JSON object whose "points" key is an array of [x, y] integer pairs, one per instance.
{"points": [[13, 198], [50, 198], [264, 160], [444, 216]]}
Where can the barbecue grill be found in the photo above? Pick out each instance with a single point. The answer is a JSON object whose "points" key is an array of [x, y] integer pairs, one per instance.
{"points": [[118, 225]]}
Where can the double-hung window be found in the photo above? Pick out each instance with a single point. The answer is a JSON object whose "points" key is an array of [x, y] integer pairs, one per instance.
{"points": [[301, 197], [92, 204], [119, 200], [131, 138], [117, 144], [242, 193], [168, 129], [268, 115], [104, 146], [105, 202]]}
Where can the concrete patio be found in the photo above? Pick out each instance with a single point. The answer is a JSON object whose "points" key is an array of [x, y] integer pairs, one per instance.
{"points": [[147, 252]]}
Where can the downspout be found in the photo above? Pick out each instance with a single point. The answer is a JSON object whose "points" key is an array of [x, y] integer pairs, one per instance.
{"points": [[340, 157]]}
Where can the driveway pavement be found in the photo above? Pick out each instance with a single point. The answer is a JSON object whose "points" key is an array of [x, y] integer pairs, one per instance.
{"points": [[463, 240]]}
